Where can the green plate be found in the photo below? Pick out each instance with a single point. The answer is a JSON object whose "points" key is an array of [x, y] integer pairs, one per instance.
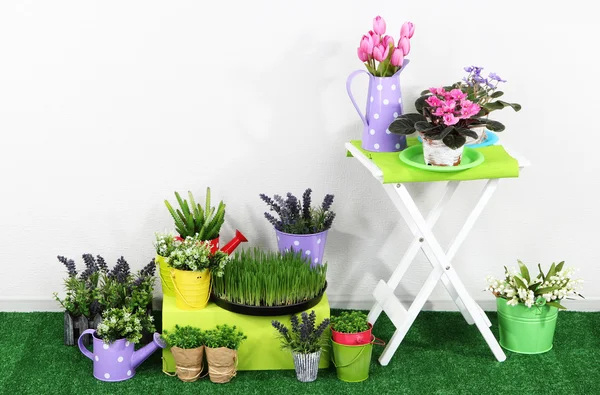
{"points": [[413, 156]]}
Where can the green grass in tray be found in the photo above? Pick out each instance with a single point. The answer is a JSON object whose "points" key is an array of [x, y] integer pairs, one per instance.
{"points": [[255, 277]]}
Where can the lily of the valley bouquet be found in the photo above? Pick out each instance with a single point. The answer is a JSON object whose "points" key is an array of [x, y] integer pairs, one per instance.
{"points": [[378, 52], [519, 287]]}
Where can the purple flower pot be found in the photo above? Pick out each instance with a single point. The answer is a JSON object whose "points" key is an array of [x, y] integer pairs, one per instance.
{"points": [[384, 104], [312, 245], [117, 361]]}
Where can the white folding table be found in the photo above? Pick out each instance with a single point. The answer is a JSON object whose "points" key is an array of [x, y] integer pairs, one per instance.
{"points": [[424, 239]]}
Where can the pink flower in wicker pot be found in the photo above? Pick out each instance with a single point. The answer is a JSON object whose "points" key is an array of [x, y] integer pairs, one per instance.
{"points": [[444, 120]]}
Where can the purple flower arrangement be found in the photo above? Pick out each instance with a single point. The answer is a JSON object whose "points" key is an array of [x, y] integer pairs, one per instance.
{"points": [[304, 336], [297, 217], [97, 288]]}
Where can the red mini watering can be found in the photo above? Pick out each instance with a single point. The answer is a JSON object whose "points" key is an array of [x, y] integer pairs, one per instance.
{"points": [[227, 248]]}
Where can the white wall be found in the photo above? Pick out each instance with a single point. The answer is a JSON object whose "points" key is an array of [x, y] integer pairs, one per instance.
{"points": [[108, 107]]}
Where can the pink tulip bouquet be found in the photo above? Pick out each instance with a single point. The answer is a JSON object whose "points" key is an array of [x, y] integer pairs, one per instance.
{"points": [[378, 52]]}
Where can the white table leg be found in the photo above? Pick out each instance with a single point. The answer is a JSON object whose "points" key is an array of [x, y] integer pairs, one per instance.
{"points": [[414, 248], [442, 261]]}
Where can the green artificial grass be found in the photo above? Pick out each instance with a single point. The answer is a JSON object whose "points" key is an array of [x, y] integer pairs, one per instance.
{"points": [[441, 354]]}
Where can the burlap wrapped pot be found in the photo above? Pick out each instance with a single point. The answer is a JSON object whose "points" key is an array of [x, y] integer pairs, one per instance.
{"points": [[222, 364], [188, 362]]}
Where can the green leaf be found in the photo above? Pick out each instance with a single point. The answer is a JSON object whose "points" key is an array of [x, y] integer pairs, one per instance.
{"points": [[496, 94], [467, 132], [405, 124], [424, 126], [371, 69], [421, 103], [552, 271], [556, 304], [514, 106], [494, 126], [541, 273], [559, 267], [454, 140], [520, 282], [524, 271], [446, 131], [546, 290]]}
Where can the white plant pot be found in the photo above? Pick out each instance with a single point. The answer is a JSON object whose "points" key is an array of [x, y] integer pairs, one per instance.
{"points": [[480, 136], [436, 153], [307, 366]]}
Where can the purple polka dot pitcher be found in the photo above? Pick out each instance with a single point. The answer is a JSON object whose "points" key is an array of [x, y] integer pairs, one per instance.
{"points": [[311, 245], [384, 104], [117, 361]]}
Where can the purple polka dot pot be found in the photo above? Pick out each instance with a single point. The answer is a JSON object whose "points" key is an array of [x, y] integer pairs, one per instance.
{"points": [[312, 245], [117, 361], [384, 104]]}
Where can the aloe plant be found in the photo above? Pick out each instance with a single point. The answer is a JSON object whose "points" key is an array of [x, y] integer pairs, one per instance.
{"points": [[191, 218]]}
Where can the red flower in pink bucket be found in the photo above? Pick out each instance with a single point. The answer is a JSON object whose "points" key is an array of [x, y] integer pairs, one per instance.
{"points": [[375, 47]]}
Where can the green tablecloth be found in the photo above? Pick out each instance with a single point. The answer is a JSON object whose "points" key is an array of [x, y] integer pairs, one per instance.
{"points": [[497, 164]]}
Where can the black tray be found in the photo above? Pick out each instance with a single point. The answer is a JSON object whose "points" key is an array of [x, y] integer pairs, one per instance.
{"points": [[266, 311]]}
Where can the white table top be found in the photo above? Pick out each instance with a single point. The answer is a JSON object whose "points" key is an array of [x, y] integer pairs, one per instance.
{"points": [[378, 173]]}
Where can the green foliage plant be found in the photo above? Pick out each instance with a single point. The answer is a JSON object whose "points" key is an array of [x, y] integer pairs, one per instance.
{"points": [[256, 277], [192, 219], [519, 287], [124, 323], [304, 336], [186, 337], [350, 322], [224, 336], [164, 243], [194, 254]]}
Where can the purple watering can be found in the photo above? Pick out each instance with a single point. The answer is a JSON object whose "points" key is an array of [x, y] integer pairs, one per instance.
{"points": [[384, 104], [117, 361]]}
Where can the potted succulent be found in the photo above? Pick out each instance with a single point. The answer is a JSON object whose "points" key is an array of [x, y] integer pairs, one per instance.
{"points": [[187, 346], [383, 59], [305, 340], [528, 306], [268, 283], [193, 220], [300, 226], [113, 355], [194, 262], [485, 93], [221, 352], [164, 244], [351, 328]]}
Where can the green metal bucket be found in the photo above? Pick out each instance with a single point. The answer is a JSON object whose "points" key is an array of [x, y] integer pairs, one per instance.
{"points": [[352, 362], [526, 330]]}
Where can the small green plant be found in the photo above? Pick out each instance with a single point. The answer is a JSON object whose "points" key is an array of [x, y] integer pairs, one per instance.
{"points": [[304, 336], [164, 243], [186, 337], [193, 254], [256, 277], [124, 323], [350, 322], [544, 289], [195, 220], [224, 336]]}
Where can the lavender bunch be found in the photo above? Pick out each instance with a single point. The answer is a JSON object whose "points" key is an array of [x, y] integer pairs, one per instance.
{"points": [[120, 271], [305, 336], [299, 217], [81, 291]]}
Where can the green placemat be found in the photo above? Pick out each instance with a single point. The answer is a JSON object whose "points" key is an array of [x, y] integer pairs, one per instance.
{"points": [[497, 164]]}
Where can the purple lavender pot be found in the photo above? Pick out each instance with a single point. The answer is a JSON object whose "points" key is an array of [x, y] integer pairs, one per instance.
{"points": [[312, 245], [384, 104], [117, 361]]}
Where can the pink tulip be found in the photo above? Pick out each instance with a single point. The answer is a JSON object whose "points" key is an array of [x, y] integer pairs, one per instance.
{"points": [[380, 53], [376, 37], [388, 41], [405, 45], [407, 30], [362, 55], [397, 57], [379, 25], [366, 44]]}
